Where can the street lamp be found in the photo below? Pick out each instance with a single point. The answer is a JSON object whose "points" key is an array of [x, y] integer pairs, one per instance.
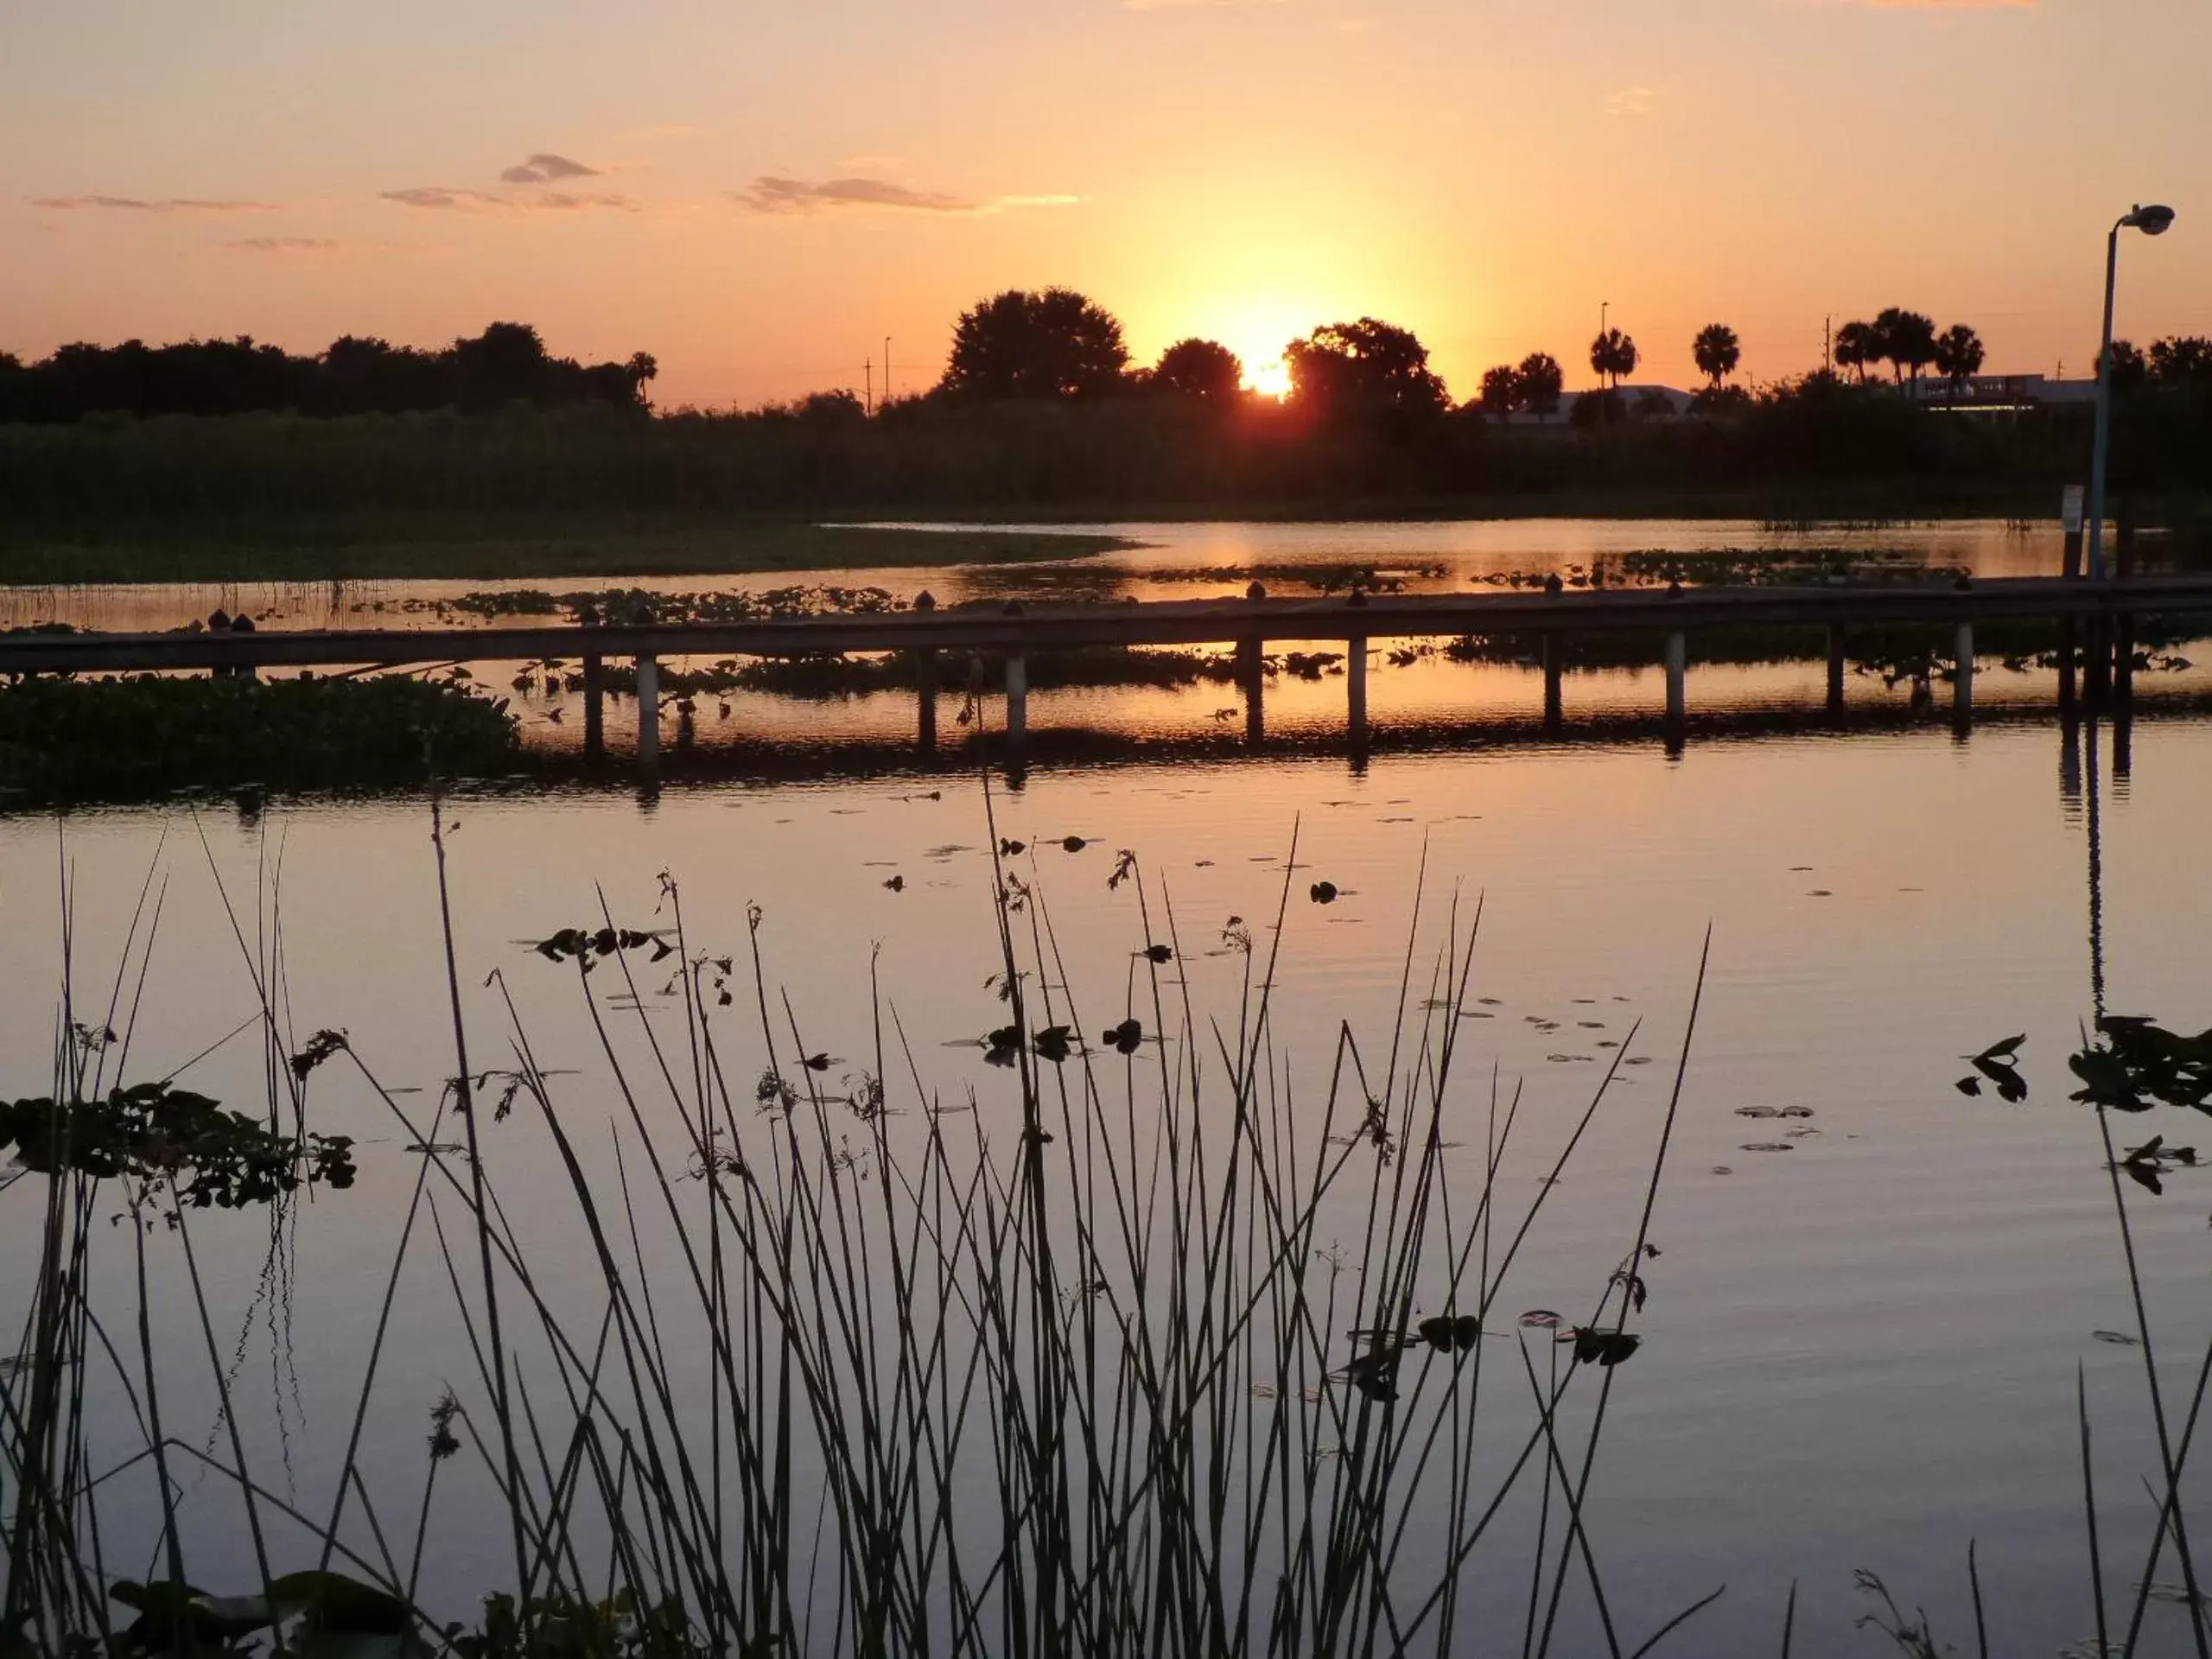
{"points": [[2152, 221]]}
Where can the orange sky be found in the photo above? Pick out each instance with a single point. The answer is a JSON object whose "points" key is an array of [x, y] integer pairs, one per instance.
{"points": [[760, 195]]}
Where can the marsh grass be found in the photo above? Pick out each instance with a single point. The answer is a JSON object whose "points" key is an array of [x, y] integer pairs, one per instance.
{"points": [[1203, 1348]]}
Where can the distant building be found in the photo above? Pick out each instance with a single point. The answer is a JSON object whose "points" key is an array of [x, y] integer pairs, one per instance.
{"points": [[1638, 400], [1995, 392]]}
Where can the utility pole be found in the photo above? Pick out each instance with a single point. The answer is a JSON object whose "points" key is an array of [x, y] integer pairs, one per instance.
{"points": [[1827, 345], [868, 402], [887, 368]]}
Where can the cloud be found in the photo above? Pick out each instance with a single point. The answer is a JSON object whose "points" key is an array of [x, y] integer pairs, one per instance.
{"points": [[285, 245], [437, 195], [439, 198], [544, 168], [775, 196], [1631, 101], [563, 202], [162, 205]]}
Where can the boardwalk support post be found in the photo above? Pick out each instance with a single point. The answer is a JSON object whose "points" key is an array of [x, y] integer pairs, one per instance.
{"points": [[1017, 703], [1553, 704], [1251, 677], [1356, 691], [1678, 658], [926, 682], [1835, 668], [1962, 678], [594, 708], [648, 712]]}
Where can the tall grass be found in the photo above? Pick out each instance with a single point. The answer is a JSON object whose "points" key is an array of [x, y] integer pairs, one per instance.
{"points": [[1211, 1356]]}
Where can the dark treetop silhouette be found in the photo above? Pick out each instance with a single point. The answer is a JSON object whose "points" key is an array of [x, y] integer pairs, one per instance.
{"points": [[506, 364], [1055, 344], [1199, 368], [1350, 370]]}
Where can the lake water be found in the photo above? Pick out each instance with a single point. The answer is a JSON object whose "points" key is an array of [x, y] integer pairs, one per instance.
{"points": [[1861, 1344]]}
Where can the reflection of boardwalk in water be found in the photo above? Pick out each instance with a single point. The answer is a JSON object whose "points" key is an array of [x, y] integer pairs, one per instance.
{"points": [[2093, 625]]}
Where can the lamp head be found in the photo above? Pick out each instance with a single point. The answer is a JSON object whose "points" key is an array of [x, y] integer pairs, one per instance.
{"points": [[2154, 220]]}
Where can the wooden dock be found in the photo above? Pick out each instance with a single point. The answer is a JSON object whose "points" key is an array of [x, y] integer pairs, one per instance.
{"points": [[1012, 631]]}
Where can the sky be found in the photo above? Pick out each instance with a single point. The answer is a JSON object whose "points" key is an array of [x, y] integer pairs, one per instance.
{"points": [[760, 193]]}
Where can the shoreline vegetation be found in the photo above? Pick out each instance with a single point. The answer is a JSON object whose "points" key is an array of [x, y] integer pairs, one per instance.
{"points": [[522, 544], [491, 455], [230, 460]]}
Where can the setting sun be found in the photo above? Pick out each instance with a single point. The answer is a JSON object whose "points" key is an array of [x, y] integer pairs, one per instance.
{"points": [[1270, 379]]}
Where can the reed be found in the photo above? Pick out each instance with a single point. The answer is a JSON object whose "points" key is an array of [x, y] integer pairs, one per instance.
{"points": [[1200, 1359]]}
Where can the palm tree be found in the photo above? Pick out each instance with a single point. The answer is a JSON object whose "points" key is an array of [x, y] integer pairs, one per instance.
{"points": [[1613, 354], [1538, 383], [1958, 356], [1907, 342], [1718, 351], [1855, 347]]}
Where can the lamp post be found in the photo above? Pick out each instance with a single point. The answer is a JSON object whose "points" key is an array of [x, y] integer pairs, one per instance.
{"points": [[2152, 221]]}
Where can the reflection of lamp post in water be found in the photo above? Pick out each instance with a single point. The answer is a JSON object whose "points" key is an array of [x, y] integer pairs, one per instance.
{"points": [[2152, 221], [2097, 878]]}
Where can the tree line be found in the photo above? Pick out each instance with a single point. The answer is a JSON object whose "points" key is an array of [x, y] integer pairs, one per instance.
{"points": [[506, 365], [1060, 344]]}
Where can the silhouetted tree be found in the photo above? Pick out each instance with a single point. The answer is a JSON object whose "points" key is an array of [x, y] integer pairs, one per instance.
{"points": [[2130, 370], [1200, 369], [1856, 345], [1958, 356], [2182, 361], [1501, 390], [1905, 340], [1055, 344], [1540, 383], [1718, 351], [1356, 370], [1604, 407], [507, 363], [1613, 354]]}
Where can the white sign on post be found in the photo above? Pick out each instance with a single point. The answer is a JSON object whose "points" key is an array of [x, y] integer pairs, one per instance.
{"points": [[2073, 511]]}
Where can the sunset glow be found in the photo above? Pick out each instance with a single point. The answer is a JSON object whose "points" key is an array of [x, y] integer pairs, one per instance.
{"points": [[760, 198], [1268, 379]]}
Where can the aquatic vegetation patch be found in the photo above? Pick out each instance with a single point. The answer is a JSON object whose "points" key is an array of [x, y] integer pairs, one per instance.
{"points": [[158, 1132], [144, 735], [633, 604]]}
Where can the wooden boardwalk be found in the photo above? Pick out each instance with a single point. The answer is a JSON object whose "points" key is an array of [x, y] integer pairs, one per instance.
{"points": [[1015, 629], [2101, 612]]}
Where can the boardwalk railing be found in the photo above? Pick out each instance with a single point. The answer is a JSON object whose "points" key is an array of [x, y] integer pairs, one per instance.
{"points": [[1014, 630]]}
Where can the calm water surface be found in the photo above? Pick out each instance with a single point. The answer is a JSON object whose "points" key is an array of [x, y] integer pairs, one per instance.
{"points": [[1171, 560], [1861, 1351]]}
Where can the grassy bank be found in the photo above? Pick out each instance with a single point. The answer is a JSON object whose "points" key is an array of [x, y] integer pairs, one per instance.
{"points": [[428, 546]]}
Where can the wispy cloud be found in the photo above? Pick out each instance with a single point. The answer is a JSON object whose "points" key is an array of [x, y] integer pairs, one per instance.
{"points": [[775, 196], [285, 245], [439, 198], [1631, 101], [153, 204], [562, 201], [545, 168]]}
